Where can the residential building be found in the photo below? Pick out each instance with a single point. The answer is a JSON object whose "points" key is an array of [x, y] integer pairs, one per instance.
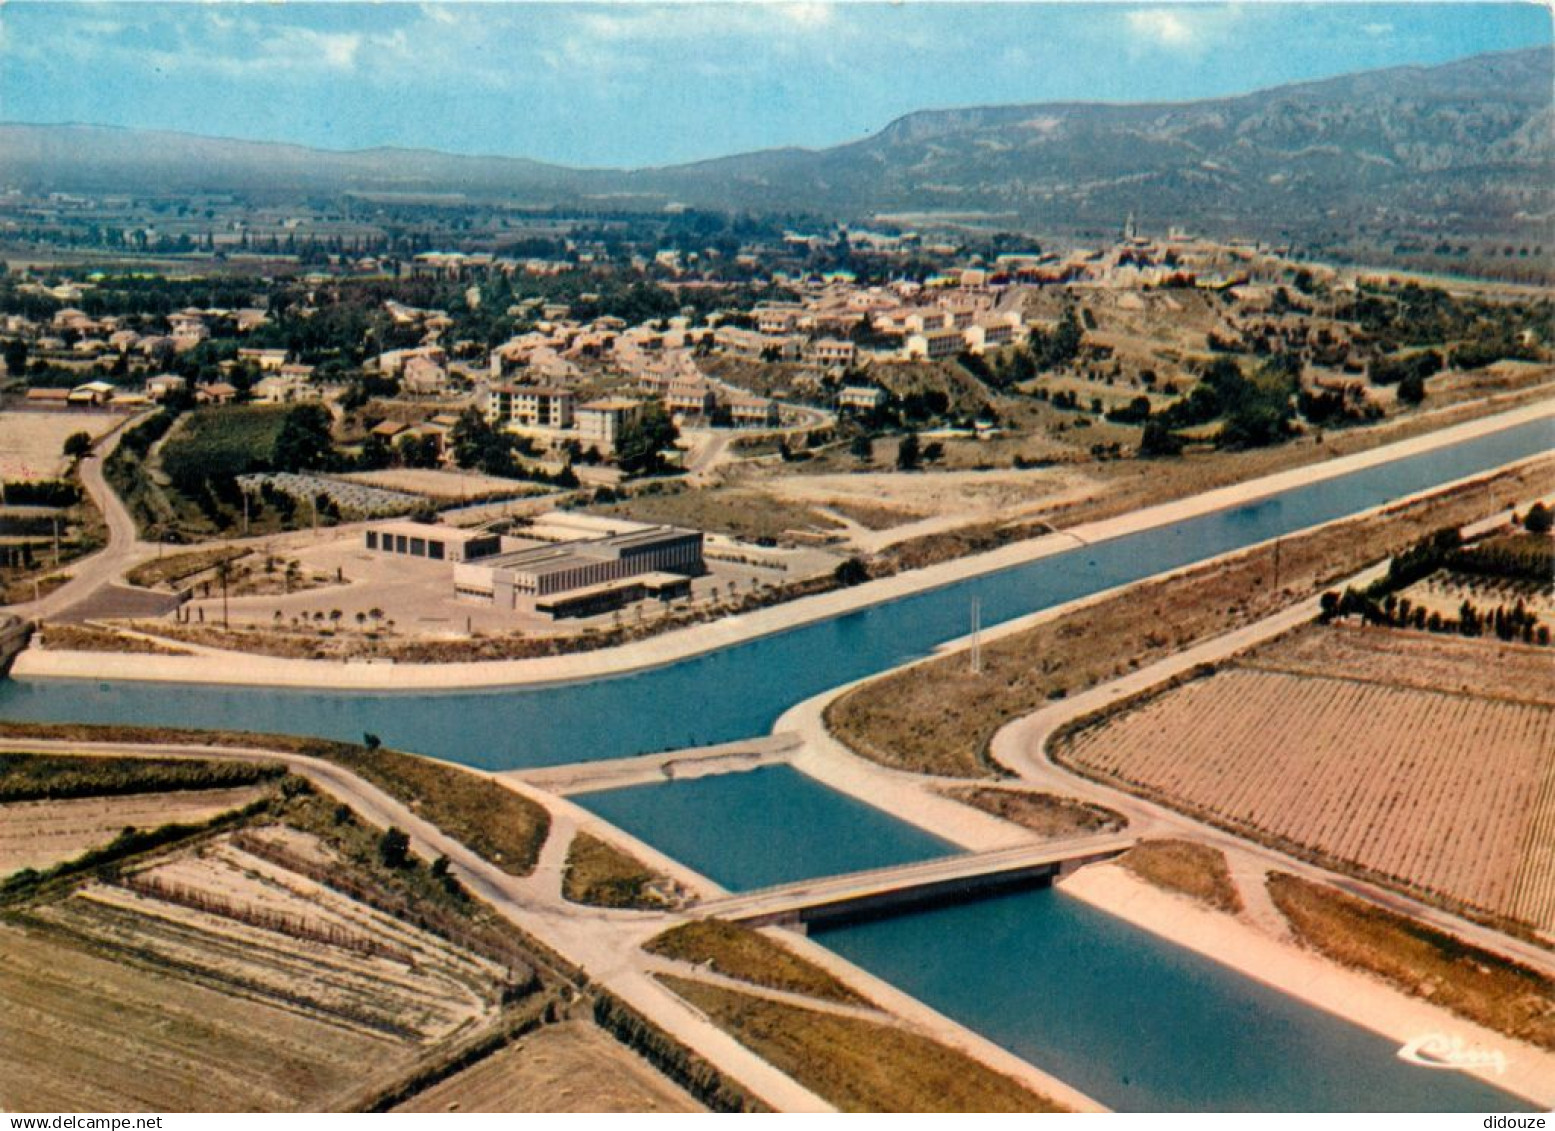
{"points": [[751, 412], [935, 345], [833, 352], [269, 361], [423, 377], [530, 406], [861, 398], [600, 423], [689, 395], [164, 385]]}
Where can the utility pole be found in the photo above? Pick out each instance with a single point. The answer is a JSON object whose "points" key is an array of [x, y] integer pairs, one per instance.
{"points": [[977, 636], [1276, 564]]}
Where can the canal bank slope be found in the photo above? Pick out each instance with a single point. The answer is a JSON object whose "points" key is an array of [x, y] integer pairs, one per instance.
{"points": [[213, 666], [1529, 1072]]}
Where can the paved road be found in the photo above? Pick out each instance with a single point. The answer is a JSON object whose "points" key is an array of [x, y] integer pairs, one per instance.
{"points": [[1022, 746], [122, 551]]}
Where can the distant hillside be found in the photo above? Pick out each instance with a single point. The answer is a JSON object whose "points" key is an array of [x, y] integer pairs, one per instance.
{"points": [[1464, 149]]}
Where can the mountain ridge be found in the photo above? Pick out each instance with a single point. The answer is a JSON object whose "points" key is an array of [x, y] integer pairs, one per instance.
{"points": [[1466, 146]]}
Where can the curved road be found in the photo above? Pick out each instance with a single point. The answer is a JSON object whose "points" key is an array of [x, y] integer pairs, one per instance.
{"points": [[123, 550]]}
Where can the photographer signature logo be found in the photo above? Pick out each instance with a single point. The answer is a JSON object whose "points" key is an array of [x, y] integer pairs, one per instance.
{"points": [[1438, 1050]]}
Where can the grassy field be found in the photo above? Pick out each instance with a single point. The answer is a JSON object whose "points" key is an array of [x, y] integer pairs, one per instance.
{"points": [[603, 875], [1195, 870], [503, 826], [860, 1065], [54, 777], [938, 717], [1045, 814], [567, 1067], [746, 954], [1421, 961]]}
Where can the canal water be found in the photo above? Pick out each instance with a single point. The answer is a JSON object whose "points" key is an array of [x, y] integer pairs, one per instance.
{"points": [[1134, 1021], [767, 826], [1139, 1023], [741, 690]]}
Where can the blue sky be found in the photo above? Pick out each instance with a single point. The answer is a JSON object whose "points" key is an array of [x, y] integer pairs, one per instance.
{"points": [[644, 84]]}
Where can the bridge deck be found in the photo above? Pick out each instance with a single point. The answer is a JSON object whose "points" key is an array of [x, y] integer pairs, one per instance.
{"points": [[938, 876], [645, 769]]}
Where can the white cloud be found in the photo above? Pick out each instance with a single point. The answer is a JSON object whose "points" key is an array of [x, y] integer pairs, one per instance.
{"points": [[1376, 30], [1161, 26]]}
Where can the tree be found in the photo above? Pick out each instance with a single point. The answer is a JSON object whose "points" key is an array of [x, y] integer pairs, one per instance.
{"points": [[1411, 390], [1159, 440], [304, 442], [394, 848], [78, 445], [1539, 519], [15, 357], [376, 453], [479, 446], [908, 453], [862, 448], [851, 572], [641, 440]]}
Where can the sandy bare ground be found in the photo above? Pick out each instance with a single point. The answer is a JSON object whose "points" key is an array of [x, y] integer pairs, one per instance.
{"points": [[930, 502], [39, 834], [32, 443], [570, 1067]]}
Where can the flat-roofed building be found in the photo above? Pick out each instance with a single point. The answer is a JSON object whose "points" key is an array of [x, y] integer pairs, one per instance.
{"points": [[861, 398], [690, 395], [525, 578], [600, 423], [935, 345], [833, 351], [425, 540], [530, 406], [751, 412]]}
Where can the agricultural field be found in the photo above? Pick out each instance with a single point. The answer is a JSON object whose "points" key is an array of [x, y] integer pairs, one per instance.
{"points": [[88, 1031], [445, 486], [567, 1067], [32, 443], [230, 913], [1447, 793], [227, 975], [40, 834]]}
